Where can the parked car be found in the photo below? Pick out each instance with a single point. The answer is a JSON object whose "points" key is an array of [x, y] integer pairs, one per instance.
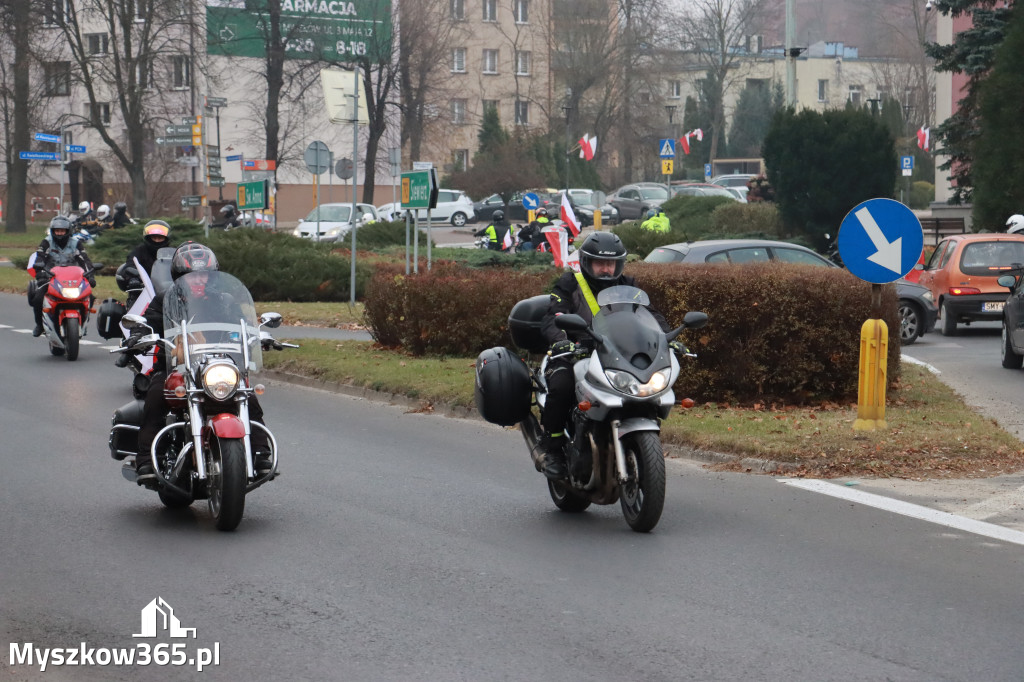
{"points": [[582, 201], [962, 275], [633, 201], [453, 206], [515, 212], [390, 212], [916, 310], [331, 222], [732, 179], [700, 189]]}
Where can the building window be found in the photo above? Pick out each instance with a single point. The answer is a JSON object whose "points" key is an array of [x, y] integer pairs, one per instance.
{"points": [[182, 72], [490, 61], [142, 9], [144, 73], [522, 113], [97, 43], [459, 10], [521, 9], [458, 60], [675, 89], [490, 10], [57, 78], [490, 104], [855, 95], [460, 159], [458, 111], [522, 63], [823, 90], [56, 12], [98, 113], [645, 98]]}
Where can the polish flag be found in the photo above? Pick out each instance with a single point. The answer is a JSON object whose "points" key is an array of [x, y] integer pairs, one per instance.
{"points": [[139, 308], [568, 217], [588, 146], [684, 141], [506, 241], [923, 136], [558, 241]]}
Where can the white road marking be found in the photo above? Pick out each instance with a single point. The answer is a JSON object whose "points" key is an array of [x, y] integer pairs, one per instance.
{"points": [[87, 342], [990, 530], [22, 331], [922, 363], [4, 326]]}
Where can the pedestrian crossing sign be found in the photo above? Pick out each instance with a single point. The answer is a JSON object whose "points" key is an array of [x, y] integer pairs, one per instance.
{"points": [[666, 166], [668, 148]]}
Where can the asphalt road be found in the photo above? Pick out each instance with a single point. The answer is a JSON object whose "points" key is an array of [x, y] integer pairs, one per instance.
{"points": [[401, 546]]}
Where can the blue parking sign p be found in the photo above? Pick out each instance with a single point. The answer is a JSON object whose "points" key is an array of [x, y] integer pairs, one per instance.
{"points": [[907, 162]]}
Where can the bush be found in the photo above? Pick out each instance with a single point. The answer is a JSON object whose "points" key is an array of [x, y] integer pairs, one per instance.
{"points": [[751, 221], [451, 310], [777, 332], [641, 242], [922, 194], [690, 217], [380, 235]]}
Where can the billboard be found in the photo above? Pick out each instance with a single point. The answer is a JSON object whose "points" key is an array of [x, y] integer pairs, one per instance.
{"points": [[333, 30]]}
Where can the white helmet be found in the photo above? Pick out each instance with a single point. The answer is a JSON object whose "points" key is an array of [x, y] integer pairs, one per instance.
{"points": [[84, 207], [1015, 223], [103, 211]]}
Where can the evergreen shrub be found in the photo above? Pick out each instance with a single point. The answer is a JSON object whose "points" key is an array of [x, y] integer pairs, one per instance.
{"points": [[753, 221], [922, 194]]}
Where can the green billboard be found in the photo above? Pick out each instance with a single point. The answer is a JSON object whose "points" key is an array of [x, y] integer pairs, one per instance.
{"points": [[332, 30]]}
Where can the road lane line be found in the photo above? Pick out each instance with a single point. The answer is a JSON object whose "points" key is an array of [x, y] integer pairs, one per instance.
{"points": [[942, 518]]}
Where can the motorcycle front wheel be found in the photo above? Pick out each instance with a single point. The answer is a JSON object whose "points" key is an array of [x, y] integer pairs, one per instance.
{"points": [[71, 338], [226, 479], [643, 497], [565, 498]]}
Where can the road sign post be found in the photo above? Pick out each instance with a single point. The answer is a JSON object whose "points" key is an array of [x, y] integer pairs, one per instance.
{"points": [[252, 195], [880, 240], [419, 190]]}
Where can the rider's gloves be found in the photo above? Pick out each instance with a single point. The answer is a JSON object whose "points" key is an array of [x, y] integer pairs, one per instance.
{"points": [[92, 281], [133, 339], [563, 346], [678, 347]]}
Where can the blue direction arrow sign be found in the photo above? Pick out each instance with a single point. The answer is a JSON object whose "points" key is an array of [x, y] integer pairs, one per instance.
{"points": [[667, 148], [75, 148], [38, 156], [880, 240], [46, 137], [531, 201]]}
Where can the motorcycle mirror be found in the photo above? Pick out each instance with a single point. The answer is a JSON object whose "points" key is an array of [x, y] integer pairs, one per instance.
{"points": [[131, 321], [695, 320], [1008, 281], [271, 320], [97, 266], [571, 323]]}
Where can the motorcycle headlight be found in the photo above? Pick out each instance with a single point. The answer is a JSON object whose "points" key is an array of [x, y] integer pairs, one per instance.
{"points": [[71, 292], [624, 382], [220, 381]]}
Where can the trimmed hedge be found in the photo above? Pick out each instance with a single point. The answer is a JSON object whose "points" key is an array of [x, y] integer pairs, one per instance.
{"points": [[759, 220], [777, 332]]}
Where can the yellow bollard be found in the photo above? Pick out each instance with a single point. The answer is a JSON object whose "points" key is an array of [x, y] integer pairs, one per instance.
{"points": [[874, 353], [597, 220], [530, 217]]}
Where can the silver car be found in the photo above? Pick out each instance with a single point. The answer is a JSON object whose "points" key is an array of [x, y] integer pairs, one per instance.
{"points": [[331, 222]]}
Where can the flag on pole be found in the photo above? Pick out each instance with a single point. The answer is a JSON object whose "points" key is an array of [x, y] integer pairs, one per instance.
{"points": [[506, 241], [568, 217], [684, 141], [558, 242], [923, 135], [588, 146]]}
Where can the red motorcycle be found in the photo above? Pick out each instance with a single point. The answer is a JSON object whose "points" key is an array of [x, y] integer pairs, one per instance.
{"points": [[66, 307]]}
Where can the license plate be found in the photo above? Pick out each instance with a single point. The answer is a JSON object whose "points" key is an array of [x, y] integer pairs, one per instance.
{"points": [[992, 307]]}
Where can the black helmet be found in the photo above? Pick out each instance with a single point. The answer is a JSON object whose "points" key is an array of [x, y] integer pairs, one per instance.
{"points": [[227, 209], [602, 246], [120, 207], [192, 257], [60, 223], [542, 211], [498, 216]]}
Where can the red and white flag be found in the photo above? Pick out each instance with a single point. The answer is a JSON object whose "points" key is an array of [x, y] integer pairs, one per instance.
{"points": [[506, 241], [568, 217], [588, 147], [684, 141], [923, 136], [139, 308], [558, 241]]}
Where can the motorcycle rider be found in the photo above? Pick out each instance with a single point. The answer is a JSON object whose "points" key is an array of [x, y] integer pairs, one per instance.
{"points": [[229, 217], [190, 257], [495, 232], [103, 216], [1015, 224], [121, 217], [155, 236], [602, 259], [656, 221], [532, 234], [58, 248]]}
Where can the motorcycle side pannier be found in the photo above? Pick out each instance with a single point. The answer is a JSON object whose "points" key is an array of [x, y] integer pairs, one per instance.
{"points": [[108, 318], [524, 323], [503, 390]]}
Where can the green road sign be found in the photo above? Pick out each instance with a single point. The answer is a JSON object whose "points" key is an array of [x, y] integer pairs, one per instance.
{"points": [[419, 189], [332, 30], [192, 200], [216, 182], [252, 195]]}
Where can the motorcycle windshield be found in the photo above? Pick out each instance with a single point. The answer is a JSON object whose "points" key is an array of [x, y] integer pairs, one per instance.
{"points": [[218, 312], [161, 273], [634, 341]]}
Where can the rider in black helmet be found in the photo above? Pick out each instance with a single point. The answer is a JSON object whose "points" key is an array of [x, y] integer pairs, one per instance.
{"points": [[495, 231], [60, 247], [602, 259]]}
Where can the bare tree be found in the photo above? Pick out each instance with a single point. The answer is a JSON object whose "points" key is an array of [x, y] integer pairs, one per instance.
{"points": [[15, 54]]}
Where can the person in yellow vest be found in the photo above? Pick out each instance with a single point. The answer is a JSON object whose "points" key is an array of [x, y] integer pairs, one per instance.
{"points": [[656, 221], [602, 259], [495, 231]]}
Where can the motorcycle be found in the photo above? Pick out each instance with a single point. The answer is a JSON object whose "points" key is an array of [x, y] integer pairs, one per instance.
{"points": [[66, 306], [624, 381], [213, 345]]}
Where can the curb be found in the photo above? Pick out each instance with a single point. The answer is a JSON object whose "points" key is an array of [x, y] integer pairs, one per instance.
{"points": [[416, 405]]}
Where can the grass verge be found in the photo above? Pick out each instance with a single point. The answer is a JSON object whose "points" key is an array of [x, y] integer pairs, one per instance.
{"points": [[930, 432]]}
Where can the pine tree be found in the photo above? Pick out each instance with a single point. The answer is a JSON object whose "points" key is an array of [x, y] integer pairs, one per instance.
{"points": [[972, 53], [492, 136], [754, 112]]}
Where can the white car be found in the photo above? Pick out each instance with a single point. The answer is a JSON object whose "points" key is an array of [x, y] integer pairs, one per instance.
{"points": [[732, 179], [390, 212], [331, 222], [453, 206]]}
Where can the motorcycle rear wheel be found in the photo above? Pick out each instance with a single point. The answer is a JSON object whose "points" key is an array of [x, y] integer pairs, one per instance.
{"points": [[643, 497], [225, 464], [71, 338], [567, 499]]}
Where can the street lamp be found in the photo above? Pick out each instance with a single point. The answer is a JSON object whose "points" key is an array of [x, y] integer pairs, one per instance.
{"points": [[568, 144]]}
